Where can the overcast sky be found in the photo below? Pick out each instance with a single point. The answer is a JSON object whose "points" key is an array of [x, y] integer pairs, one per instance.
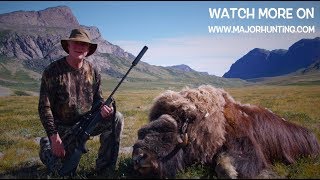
{"points": [[177, 32]]}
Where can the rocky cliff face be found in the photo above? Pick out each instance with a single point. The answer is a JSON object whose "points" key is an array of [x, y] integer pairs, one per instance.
{"points": [[35, 35], [60, 16]]}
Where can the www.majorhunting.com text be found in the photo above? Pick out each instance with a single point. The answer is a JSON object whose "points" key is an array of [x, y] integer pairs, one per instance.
{"points": [[261, 29]]}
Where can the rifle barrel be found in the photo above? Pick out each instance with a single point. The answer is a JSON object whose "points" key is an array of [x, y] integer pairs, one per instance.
{"points": [[135, 62], [137, 59]]}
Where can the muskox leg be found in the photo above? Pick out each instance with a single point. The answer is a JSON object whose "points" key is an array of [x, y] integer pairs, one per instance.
{"points": [[240, 158], [268, 173], [224, 167]]}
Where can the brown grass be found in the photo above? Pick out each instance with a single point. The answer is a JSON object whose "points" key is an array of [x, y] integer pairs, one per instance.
{"points": [[20, 127]]}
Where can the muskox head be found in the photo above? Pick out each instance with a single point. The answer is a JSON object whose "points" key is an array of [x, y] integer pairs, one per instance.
{"points": [[158, 150], [178, 131]]}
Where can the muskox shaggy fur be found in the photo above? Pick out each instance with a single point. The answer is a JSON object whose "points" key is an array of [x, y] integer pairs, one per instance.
{"points": [[207, 126]]}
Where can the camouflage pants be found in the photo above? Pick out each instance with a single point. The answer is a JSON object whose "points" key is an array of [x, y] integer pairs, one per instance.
{"points": [[108, 151]]}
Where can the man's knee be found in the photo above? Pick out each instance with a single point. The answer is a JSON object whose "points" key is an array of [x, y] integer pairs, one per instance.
{"points": [[119, 119], [44, 146], [44, 143], [46, 156], [119, 123], [106, 127]]}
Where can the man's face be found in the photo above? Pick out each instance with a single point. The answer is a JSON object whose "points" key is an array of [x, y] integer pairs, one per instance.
{"points": [[78, 50]]}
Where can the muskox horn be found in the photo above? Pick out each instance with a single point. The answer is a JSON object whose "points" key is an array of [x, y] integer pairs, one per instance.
{"points": [[183, 139]]}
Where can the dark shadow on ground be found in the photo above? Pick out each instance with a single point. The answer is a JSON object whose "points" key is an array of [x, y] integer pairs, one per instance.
{"points": [[30, 172], [38, 171]]}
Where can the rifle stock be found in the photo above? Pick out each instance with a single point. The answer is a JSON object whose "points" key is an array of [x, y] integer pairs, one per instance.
{"points": [[81, 131]]}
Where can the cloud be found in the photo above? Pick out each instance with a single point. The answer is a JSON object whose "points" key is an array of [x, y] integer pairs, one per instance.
{"points": [[214, 53]]}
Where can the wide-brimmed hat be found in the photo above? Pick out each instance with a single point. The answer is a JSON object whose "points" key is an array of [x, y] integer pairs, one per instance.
{"points": [[79, 35]]}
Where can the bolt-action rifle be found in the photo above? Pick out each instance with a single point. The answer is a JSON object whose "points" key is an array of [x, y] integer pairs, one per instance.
{"points": [[80, 132]]}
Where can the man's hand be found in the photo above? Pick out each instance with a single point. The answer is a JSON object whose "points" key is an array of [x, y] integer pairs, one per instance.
{"points": [[57, 145], [106, 111]]}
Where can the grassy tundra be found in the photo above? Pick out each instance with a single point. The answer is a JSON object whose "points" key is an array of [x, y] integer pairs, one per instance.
{"points": [[21, 128]]}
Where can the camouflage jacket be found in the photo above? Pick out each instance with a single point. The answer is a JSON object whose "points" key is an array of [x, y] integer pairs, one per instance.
{"points": [[67, 93]]}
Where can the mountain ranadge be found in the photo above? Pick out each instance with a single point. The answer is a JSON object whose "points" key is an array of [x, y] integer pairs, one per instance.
{"points": [[30, 40]]}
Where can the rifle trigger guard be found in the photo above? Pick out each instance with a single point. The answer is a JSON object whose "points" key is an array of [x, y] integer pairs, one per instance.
{"points": [[87, 134]]}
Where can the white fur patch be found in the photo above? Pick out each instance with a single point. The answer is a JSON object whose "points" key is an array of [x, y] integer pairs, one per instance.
{"points": [[224, 168]]}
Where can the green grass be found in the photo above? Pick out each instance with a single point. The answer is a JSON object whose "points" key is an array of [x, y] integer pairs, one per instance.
{"points": [[303, 83], [20, 127], [16, 77]]}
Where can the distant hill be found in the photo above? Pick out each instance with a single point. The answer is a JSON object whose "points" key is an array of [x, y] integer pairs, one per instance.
{"points": [[186, 68], [303, 76], [30, 40], [263, 63], [313, 68], [182, 67]]}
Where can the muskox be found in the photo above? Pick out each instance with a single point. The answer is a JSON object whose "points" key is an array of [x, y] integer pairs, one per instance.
{"points": [[207, 126]]}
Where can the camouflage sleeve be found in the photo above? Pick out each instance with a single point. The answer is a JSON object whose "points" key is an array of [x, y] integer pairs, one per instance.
{"points": [[97, 96], [44, 108]]}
